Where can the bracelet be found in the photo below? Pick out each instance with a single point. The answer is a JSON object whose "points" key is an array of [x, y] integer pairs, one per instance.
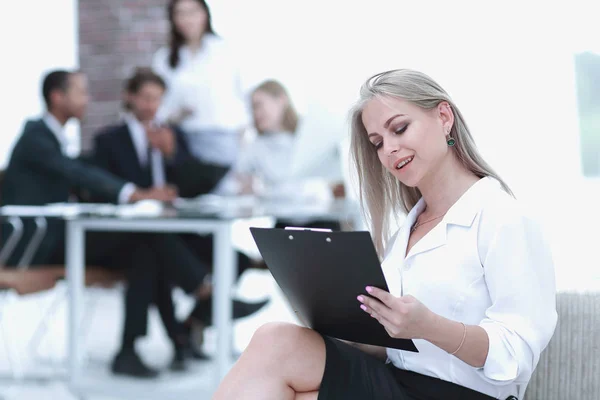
{"points": [[462, 341]]}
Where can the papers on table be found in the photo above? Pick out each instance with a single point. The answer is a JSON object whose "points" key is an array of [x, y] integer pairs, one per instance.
{"points": [[145, 208]]}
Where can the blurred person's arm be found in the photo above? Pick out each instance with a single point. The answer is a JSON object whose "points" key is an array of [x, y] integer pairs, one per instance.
{"points": [[43, 155], [192, 176], [103, 157]]}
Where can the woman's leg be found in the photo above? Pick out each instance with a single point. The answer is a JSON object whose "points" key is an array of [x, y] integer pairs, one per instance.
{"points": [[307, 396], [283, 361]]}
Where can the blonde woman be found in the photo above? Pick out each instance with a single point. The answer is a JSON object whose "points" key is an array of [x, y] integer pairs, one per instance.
{"points": [[265, 166], [267, 158], [470, 275]]}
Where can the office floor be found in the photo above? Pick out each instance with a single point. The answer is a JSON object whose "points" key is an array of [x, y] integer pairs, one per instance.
{"points": [[104, 318]]}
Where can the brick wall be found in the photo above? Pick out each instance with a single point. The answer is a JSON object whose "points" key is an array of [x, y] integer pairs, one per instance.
{"points": [[114, 37]]}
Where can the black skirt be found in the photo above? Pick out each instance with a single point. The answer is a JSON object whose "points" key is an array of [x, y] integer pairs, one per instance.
{"points": [[350, 374]]}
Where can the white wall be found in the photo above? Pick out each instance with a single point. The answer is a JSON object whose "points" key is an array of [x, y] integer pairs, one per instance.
{"points": [[501, 62], [508, 65], [35, 37]]}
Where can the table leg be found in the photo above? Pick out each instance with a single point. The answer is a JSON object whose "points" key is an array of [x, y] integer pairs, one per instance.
{"points": [[224, 277], [75, 264]]}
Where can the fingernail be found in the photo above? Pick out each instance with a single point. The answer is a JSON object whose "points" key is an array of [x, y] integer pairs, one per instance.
{"points": [[360, 298], [364, 308], [369, 289]]}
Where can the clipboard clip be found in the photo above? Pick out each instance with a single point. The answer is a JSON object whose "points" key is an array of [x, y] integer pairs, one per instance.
{"points": [[295, 228]]}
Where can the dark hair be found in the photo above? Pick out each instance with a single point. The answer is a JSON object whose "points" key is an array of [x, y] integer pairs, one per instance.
{"points": [[276, 89], [55, 80], [177, 40], [140, 77]]}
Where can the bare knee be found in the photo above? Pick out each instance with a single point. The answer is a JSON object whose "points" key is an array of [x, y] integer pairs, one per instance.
{"points": [[288, 354], [277, 333], [307, 396], [280, 339]]}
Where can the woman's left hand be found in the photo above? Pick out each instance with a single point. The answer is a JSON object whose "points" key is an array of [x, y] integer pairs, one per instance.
{"points": [[402, 317]]}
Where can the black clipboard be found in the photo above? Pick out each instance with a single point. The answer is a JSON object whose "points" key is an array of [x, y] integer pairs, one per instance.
{"points": [[321, 273]]}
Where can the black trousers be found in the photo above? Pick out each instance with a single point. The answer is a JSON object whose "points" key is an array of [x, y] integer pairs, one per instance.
{"points": [[202, 247], [153, 265]]}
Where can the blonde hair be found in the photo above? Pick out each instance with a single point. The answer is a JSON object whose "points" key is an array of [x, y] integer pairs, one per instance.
{"points": [[276, 89], [381, 194]]}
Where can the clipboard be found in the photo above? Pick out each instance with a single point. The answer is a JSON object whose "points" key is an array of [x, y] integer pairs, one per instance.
{"points": [[321, 273]]}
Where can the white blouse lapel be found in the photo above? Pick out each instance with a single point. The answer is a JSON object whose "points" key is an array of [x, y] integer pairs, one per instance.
{"points": [[432, 240], [393, 262], [395, 254]]}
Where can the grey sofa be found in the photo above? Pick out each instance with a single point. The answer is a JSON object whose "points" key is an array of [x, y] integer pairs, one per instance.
{"points": [[569, 369]]}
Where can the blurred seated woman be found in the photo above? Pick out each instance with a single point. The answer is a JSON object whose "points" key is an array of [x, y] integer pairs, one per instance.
{"points": [[264, 167]]}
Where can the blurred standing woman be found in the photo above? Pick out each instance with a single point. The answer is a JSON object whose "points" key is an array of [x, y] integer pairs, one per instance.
{"points": [[204, 94]]}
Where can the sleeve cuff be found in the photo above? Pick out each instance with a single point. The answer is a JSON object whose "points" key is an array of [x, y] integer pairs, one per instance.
{"points": [[501, 365], [126, 192]]}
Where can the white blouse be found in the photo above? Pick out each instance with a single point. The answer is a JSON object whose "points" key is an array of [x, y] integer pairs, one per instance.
{"points": [[486, 263], [207, 82], [269, 160]]}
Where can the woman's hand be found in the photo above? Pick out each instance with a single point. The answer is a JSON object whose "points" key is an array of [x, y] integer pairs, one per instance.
{"points": [[402, 317]]}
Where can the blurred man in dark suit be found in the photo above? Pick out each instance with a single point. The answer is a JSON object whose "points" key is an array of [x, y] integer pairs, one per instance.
{"points": [[154, 155], [39, 172], [148, 153]]}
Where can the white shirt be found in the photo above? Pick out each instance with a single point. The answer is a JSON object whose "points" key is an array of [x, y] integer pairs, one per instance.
{"points": [[140, 142], [269, 160], [486, 263], [208, 82], [59, 131], [268, 157]]}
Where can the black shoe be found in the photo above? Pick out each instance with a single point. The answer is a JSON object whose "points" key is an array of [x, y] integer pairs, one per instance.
{"points": [[128, 363], [197, 355], [179, 363], [202, 312]]}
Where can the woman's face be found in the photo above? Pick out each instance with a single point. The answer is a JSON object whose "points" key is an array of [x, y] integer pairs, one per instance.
{"points": [[410, 141], [190, 19], [268, 111]]}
